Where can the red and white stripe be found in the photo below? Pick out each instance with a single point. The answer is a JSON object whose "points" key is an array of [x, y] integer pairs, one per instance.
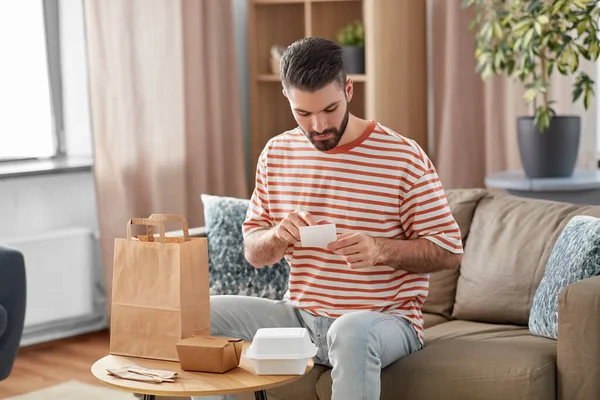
{"points": [[382, 184]]}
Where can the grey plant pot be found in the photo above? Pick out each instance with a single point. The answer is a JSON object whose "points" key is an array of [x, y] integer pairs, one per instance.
{"points": [[549, 154], [354, 59]]}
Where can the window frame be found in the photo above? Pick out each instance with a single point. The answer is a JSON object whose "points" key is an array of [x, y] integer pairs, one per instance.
{"points": [[53, 53]]}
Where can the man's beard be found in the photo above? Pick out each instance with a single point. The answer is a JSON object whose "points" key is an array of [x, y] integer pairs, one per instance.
{"points": [[332, 142]]}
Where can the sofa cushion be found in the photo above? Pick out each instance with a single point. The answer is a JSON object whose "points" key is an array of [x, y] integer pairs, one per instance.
{"points": [[442, 284], [575, 256], [229, 272], [430, 320], [469, 330], [509, 243], [470, 361]]}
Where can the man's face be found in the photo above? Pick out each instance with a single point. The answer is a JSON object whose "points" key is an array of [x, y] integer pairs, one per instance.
{"points": [[322, 115]]}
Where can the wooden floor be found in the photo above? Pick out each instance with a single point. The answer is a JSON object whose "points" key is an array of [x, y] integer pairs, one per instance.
{"points": [[47, 364]]}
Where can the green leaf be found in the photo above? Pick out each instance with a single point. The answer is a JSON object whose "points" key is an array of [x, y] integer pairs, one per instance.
{"points": [[472, 24], [550, 69], [573, 18], [579, 4], [574, 64], [581, 27], [510, 67], [543, 19], [529, 95], [557, 7], [562, 68], [545, 41], [483, 60], [542, 118], [498, 30], [517, 44], [528, 37], [487, 71], [583, 51], [577, 91], [593, 50], [521, 27], [498, 58], [489, 32], [587, 98], [565, 56], [544, 122]]}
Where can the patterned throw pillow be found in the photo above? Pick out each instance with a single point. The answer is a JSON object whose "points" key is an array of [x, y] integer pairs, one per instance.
{"points": [[229, 271], [575, 256]]}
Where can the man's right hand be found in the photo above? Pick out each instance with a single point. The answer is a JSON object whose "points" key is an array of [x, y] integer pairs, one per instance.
{"points": [[287, 230], [268, 246]]}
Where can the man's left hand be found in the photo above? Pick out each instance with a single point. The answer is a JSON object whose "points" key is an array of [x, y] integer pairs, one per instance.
{"points": [[358, 249]]}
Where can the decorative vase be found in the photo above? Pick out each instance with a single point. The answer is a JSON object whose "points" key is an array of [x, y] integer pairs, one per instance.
{"points": [[549, 154], [354, 59]]}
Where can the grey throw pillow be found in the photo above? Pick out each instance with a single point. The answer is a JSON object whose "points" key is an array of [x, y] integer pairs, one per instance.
{"points": [[229, 271], [575, 256]]}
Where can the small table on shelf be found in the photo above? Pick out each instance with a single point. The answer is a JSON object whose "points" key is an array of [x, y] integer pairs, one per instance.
{"points": [[238, 380], [583, 187]]}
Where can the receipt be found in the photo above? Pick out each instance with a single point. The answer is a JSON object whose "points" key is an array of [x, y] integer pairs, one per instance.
{"points": [[317, 235]]}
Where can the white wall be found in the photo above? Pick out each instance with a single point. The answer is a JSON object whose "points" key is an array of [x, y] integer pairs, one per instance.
{"points": [[44, 206], [39, 204]]}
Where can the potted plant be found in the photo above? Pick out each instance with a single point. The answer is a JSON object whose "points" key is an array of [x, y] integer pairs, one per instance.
{"points": [[352, 40], [530, 40]]}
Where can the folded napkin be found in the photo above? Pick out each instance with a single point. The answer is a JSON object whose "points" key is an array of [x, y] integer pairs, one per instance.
{"points": [[137, 373]]}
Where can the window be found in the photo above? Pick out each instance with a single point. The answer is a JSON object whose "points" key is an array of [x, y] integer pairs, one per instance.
{"points": [[30, 109]]}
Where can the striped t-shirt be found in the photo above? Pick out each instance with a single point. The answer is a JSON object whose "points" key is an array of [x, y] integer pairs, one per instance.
{"points": [[381, 184]]}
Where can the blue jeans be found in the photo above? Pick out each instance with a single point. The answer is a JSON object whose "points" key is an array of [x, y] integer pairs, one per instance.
{"points": [[356, 345]]}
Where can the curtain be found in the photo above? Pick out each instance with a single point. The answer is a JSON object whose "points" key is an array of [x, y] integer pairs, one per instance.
{"points": [[166, 114], [474, 122]]}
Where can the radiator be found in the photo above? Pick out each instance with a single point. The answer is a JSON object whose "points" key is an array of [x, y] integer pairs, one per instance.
{"points": [[62, 281]]}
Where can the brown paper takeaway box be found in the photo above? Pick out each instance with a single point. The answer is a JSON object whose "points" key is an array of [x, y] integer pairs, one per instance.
{"points": [[209, 353]]}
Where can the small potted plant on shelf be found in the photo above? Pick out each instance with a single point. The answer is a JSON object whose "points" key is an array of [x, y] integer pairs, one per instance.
{"points": [[530, 40], [352, 40]]}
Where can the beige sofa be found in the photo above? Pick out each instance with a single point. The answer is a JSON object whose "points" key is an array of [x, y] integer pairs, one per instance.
{"points": [[477, 342], [478, 345]]}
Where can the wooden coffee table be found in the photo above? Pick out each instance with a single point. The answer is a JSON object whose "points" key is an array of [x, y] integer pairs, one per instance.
{"points": [[238, 380]]}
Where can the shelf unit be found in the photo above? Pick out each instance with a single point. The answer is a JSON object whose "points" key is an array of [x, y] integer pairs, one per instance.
{"points": [[275, 78], [394, 87]]}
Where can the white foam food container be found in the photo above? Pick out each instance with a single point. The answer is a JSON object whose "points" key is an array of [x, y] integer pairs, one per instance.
{"points": [[280, 351]]}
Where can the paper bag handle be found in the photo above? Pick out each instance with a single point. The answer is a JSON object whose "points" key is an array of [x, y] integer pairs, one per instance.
{"points": [[149, 224], [173, 218]]}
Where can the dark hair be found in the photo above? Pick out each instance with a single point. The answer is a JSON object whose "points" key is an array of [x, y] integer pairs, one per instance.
{"points": [[312, 63]]}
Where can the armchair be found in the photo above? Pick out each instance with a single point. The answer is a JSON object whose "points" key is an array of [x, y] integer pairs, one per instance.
{"points": [[12, 307]]}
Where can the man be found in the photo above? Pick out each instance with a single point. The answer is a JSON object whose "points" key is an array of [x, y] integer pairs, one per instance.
{"points": [[360, 298]]}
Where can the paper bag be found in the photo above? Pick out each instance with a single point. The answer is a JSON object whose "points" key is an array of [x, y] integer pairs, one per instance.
{"points": [[160, 290]]}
